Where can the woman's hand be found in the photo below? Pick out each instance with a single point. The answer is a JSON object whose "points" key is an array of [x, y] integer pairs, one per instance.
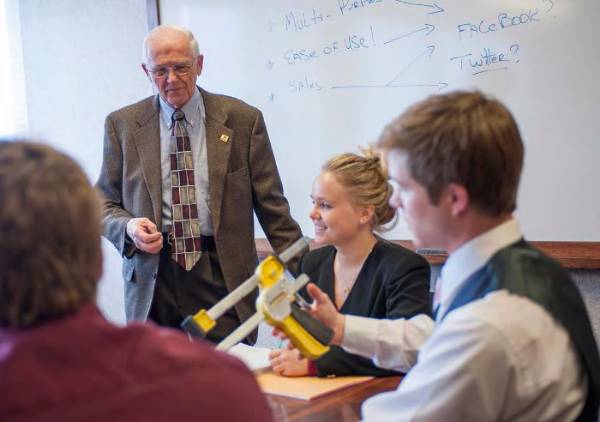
{"points": [[288, 362]]}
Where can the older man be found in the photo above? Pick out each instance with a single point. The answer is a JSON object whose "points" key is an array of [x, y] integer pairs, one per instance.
{"points": [[60, 360], [183, 172]]}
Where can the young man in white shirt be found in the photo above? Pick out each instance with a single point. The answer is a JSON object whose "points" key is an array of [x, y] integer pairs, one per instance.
{"points": [[511, 338]]}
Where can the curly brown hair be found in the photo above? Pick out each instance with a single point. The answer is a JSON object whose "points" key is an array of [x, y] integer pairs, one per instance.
{"points": [[50, 254]]}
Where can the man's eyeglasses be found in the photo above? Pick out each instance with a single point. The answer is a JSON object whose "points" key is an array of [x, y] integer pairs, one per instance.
{"points": [[178, 69]]}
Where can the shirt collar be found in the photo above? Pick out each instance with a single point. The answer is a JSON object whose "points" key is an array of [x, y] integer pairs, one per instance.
{"points": [[194, 110], [88, 311], [473, 255]]}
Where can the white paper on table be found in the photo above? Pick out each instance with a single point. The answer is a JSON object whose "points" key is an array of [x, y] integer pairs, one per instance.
{"points": [[255, 358]]}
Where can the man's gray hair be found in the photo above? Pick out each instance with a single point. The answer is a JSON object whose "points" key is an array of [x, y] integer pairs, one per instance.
{"points": [[194, 49]]}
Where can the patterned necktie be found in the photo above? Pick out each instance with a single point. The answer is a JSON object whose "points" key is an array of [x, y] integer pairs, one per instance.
{"points": [[186, 247]]}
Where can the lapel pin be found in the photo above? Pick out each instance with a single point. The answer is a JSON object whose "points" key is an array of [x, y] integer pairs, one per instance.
{"points": [[224, 138]]}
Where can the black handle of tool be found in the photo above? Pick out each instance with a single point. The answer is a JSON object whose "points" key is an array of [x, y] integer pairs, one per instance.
{"points": [[316, 328], [189, 325]]}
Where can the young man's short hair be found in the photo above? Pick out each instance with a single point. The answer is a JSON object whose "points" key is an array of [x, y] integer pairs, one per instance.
{"points": [[465, 138]]}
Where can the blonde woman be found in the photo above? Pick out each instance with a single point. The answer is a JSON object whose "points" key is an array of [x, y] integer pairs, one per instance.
{"points": [[362, 273]]}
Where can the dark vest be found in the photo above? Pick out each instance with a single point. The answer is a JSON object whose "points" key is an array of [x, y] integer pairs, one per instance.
{"points": [[525, 271]]}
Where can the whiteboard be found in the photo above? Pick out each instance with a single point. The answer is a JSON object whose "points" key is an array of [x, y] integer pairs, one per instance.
{"points": [[329, 74], [81, 60]]}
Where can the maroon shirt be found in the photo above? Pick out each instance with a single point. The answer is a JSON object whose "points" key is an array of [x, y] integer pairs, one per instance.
{"points": [[82, 368]]}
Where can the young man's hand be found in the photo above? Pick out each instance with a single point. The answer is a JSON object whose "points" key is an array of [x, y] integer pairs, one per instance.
{"points": [[325, 311]]}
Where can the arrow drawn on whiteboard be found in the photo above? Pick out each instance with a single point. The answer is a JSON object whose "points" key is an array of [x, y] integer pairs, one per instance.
{"points": [[439, 85], [427, 27], [437, 9], [429, 51]]}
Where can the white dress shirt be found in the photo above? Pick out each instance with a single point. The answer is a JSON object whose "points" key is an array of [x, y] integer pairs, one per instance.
{"points": [[502, 357]]}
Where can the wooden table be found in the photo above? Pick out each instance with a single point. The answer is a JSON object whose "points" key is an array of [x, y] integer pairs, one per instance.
{"points": [[343, 405]]}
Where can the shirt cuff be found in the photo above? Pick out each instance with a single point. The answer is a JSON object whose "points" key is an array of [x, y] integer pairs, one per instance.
{"points": [[360, 335], [312, 368]]}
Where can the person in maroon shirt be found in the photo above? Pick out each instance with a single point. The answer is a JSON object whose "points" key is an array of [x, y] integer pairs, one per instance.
{"points": [[60, 359]]}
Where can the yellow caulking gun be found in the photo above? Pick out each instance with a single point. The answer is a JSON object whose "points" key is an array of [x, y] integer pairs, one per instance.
{"points": [[276, 304]]}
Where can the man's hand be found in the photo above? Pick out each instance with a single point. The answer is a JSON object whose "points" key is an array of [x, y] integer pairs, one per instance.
{"points": [[144, 235], [288, 362], [325, 311]]}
